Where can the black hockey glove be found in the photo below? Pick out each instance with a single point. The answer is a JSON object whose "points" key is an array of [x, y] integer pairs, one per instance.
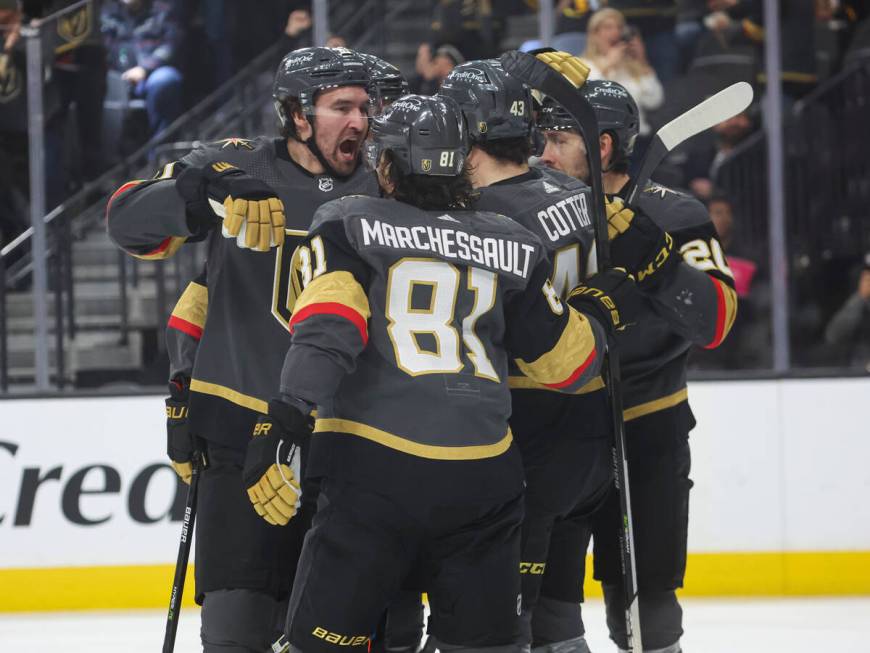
{"points": [[639, 245], [273, 462], [611, 297], [250, 209], [180, 445]]}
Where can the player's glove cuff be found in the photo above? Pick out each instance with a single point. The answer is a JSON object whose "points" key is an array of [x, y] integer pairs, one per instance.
{"points": [[639, 245], [250, 209], [611, 297], [179, 444]]}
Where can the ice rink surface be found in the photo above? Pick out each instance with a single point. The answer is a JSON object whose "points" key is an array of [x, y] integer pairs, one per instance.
{"points": [[712, 626]]}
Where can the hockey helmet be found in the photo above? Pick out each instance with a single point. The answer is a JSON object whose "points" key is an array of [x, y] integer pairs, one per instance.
{"points": [[387, 82], [614, 107], [304, 72], [425, 135], [495, 104]]}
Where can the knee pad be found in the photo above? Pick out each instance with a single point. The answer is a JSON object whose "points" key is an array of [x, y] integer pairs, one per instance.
{"points": [[556, 621], [240, 621], [661, 619]]}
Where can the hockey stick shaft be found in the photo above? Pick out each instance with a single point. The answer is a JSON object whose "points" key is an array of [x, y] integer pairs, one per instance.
{"points": [[538, 75], [717, 108], [181, 562]]}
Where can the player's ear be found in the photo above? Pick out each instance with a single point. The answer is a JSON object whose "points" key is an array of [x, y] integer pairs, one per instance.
{"points": [[605, 142], [303, 127]]}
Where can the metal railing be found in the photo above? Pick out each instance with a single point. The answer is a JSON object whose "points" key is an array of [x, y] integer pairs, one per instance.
{"points": [[827, 200], [242, 106]]}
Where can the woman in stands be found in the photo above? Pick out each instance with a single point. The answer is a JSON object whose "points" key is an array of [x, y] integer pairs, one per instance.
{"points": [[615, 51]]}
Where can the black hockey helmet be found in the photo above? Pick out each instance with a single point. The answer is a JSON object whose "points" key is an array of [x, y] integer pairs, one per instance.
{"points": [[304, 72], [614, 107], [425, 135], [387, 82], [495, 104]]}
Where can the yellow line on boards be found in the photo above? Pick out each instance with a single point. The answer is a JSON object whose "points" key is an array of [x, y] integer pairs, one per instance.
{"points": [[90, 588], [816, 573]]}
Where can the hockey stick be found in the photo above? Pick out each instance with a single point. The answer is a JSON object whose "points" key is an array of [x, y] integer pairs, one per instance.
{"points": [[540, 76], [725, 104], [183, 555]]}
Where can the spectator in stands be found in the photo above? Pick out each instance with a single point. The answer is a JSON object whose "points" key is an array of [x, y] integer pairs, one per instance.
{"points": [[849, 328], [78, 78], [297, 31], [748, 344], [657, 21], [706, 154], [470, 25], [572, 19], [142, 37], [615, 51], [336, 41], [433, 69], [744, 19]]}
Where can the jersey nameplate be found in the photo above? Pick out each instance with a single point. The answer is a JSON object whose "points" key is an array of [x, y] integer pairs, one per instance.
{"points": [[495, 253]]}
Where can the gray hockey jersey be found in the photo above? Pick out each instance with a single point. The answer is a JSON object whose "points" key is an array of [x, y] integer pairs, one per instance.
{"points": [[250, 294], [403, 332]]}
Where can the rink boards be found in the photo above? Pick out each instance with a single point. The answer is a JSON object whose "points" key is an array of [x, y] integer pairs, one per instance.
{"points": [[90, 514]]}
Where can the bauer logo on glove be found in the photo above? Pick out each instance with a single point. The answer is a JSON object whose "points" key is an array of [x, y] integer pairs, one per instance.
{"points": [[273, 463]]}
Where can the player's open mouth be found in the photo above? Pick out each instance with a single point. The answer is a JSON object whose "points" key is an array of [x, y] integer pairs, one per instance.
{"points": [[348, 149]]}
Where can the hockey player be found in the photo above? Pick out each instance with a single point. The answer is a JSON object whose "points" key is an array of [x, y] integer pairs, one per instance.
{"points": [[690, 300], [387, 82], [244, 567], [401, 337], [565, 440]]}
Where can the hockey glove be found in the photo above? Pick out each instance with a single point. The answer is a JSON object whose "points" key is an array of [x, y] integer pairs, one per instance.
{"points": [[250, 209], [611, 297], [639, 245], [570, 66], [179, 443], [272, 472]]}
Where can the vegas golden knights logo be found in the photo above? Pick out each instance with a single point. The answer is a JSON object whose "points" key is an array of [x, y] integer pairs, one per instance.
{"points": [[427, 165], [481, 127], [74, 28], [10, 82]]}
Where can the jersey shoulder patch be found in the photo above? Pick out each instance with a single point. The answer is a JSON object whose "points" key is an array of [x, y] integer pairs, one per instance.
{"points": [[672, 210], [234, 143]]}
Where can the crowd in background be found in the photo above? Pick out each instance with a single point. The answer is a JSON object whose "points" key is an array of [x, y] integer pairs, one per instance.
{"points": [[160, 56]]}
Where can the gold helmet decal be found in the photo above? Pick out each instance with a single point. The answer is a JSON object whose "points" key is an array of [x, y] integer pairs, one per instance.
{"points": [[427, 165], [481, 127]]}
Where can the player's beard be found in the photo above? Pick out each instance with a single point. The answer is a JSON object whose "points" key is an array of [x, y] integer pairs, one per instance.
{"points": [[342, 154]]}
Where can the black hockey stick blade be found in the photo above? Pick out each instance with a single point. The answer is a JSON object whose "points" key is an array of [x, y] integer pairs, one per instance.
{"points": [[181, 562], [717, 108], [538, 75]]}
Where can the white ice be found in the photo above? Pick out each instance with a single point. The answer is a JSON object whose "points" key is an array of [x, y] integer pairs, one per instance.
{"points": [[712, 626]]}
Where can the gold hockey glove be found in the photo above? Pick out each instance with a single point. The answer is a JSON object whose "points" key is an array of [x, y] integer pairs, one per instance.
{"points": [[250, 209], [639, 245], [273, 463], [571, 67], [611, 297], [179, 444]]}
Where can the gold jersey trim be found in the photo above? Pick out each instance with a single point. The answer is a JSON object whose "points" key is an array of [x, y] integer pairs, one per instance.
{"points": [[193, 305], [574, 350], [431, 451], [525, 383], [233, 396], [656, 405]]}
